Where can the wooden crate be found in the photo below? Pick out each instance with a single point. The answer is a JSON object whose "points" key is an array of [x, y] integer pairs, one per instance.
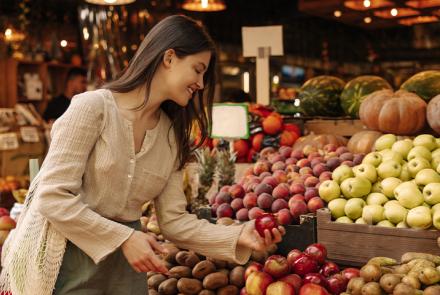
{"points": [[355, 244], [343, 127], [299, 236]]}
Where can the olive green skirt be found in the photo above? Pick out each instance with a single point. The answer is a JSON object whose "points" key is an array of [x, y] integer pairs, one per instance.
{"points": [[79, 275]]}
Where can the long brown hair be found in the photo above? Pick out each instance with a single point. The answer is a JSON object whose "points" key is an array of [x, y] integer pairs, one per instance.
{"points": [[186, 37]]}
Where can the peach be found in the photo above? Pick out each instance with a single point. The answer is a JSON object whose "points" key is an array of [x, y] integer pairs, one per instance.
{"points": [[310, 193], [264, 175], [260, 167], [263, 188], [348, 163], [225, 189], [297, 188], [278, 205], [346, 157], [298, 154], [326, 175], [291, 161], [275, 157], [283, 217], [280, 165], [222, 197], [333, 163], [285, 151], [308, 149], [297, 197], [342, 149], [303, 163], [250, 200], [224, 210], [313, 155], [270, 180], [292, 168], [330, 147], [318, 169], [281, 191], [297, 208], [214, 210], [255, 212], [266, 152], [293, 175], [257, 283], [306, 171], [314, 204], [236, 191], [243, 214], [357, 159], [264, 201], [280, 176], [311, 181], [316, 161], [237, 204]]}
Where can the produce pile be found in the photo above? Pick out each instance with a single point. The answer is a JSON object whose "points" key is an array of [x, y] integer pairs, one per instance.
{"points": [[6, 224], [397, 185]]}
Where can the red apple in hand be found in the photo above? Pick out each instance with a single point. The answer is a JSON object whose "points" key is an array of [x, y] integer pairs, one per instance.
{"points": [[266, 221], [315, 278], [293, 255], [257, 283], [243, 291], [280, 288], [317, 251], [294, 280], [350, 273], [312, 289], [253, 266], [304, 264], [277, 266], [337, 284], [329, 268], [4, 211]]}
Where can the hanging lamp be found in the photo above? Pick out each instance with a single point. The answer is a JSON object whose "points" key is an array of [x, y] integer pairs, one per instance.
{"points": [[204, 5], [110, 2]]}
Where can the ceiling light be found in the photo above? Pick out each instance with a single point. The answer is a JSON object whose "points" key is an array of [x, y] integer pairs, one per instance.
{"points": [[367, 20], [418, 20], [337, 13], [204, 5], [63, 43], [110, 2], [367, 3], [401, 12], [394, 12]]}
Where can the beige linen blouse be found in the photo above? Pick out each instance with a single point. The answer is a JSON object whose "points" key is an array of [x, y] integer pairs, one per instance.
{"points": [[92, 178]]}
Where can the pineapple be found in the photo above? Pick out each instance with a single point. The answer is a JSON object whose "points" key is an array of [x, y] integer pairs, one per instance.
{"points": [[207, 164], [225, 167]]}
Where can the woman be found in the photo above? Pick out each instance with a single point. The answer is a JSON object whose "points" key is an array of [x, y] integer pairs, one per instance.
{"points": [[113, 150]]}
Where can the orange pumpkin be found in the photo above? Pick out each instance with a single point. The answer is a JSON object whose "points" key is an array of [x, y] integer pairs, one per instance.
{"points": [[433, 113], [398, 112], [363, 141], [318, 141]]}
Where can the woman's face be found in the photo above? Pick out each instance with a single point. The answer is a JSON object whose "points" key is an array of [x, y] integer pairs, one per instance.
{"points": [[185, 76]]}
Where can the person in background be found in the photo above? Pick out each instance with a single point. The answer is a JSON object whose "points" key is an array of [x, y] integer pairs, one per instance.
{"points": [[76, 83]]}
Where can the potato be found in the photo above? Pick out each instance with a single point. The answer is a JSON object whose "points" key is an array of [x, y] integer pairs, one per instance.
{"points": [[152, 292], [189, 286], [180, 272], [151, 273], [215, 280], [236, 276], [202, 269], [172, 252], [207, 292], [225, 271], [218, 263], [155, 281], [228, 290], [187, 258], [168, 287]]}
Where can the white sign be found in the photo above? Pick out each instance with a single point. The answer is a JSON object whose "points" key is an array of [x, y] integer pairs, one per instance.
{"points": [[29, 134], [8, 141], [230, 121]]}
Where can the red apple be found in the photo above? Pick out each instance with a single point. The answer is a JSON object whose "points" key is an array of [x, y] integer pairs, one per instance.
{"points": [[253, 266], [337, 284], [312, 289], [315, 278], [314, 204], [277, 266], [317, 251], [7, 223], [266, 221], [346, 156], [280, 288], [294, 280], [257, 283], [243, 291], [304, 264], [350, 273], [329, 268], [4, 211], [293, 255]]}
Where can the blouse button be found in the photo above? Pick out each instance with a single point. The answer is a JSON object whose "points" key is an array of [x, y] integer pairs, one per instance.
{"points": [[130, 176], [131, 160]]}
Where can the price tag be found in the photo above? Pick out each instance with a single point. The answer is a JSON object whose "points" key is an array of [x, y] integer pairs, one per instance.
{"points": [[8, 141], [29, 134], [230, 121]]}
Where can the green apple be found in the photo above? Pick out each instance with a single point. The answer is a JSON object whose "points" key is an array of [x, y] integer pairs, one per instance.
{"points": [[426, 140], [355, 187], [402, 147], [402, 225], [408, 195], [373, 158], [353, 208], [427, 176], [419, 217], [404, 174], [435, 162], [385, 223], [377, 187], [426, 205], [329, 190], [341, 173], [436, 219], [417, 164], [336, 207], [435, 208], [372, 214], [419, 151], [376, 199], [344, 219], [395, 213], [360, 220], [431, 193], [388, 186], [438, 169], [386, 141], [389, 168], [366, 170], [436, 153], [437, 140], [391, 155], [392, 202]]}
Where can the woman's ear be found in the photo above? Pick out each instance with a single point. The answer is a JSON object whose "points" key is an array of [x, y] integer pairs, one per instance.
{"points": [[168, 57]]}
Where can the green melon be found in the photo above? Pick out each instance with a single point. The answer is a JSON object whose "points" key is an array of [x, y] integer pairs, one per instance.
{"points": [[320, 95], [357, 89], [425, 84]]}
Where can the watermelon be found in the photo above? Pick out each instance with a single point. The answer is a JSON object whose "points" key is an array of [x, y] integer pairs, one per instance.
{"points": [[357, 89], [425, 84], [319, 96]]}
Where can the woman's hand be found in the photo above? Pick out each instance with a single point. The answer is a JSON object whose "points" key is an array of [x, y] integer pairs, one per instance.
{"points": [[139, 248], [250, 238]]}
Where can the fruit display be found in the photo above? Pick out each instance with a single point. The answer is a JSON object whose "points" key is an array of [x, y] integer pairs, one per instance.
{"points": [[13, 189], [320, 96], [6, 224], [398, 112], [363, 141], [314, 142], [398, 185], [433, 113], [283, 182], [417, 273], [425, 84], [304, 273], [357, 89]]}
